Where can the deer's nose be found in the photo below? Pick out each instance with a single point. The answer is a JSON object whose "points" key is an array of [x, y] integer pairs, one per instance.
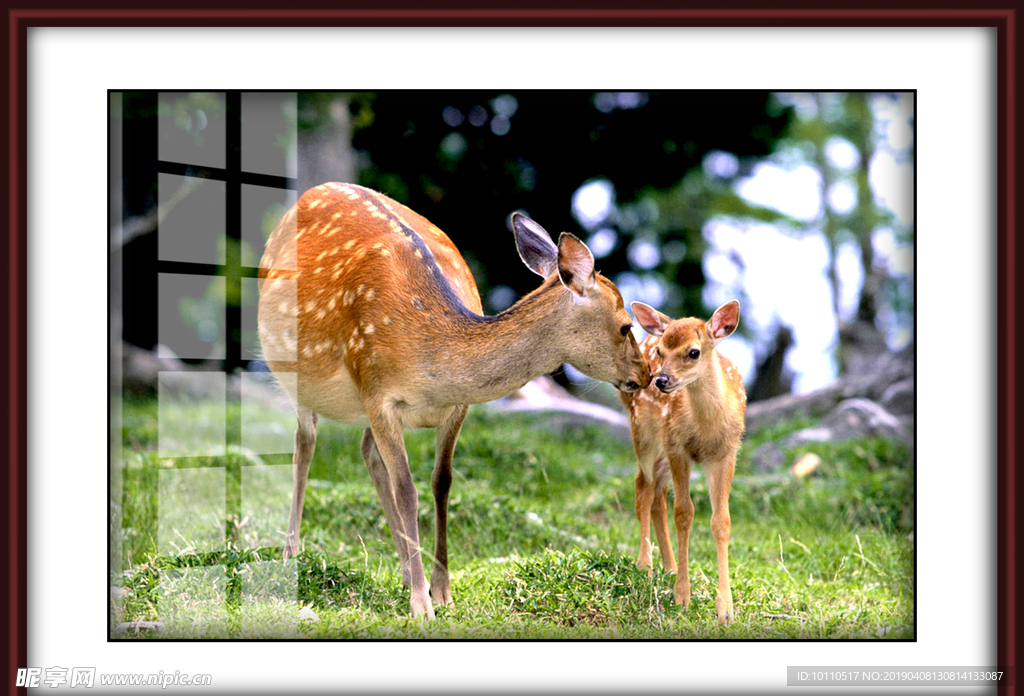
{"points": [[662, 382]]}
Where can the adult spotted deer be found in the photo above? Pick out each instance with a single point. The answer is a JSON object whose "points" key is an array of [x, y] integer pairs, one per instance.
{"points": [[369, 315], [692, 412]]}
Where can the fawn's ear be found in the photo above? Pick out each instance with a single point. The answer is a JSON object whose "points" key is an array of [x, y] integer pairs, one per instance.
{"points": [[575, 264], [653, 321], [725, 320], [535, 247]]}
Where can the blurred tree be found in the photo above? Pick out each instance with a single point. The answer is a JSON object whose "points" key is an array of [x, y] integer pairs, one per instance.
{"points": [[467, 159], [851, 214], [845, 141]]}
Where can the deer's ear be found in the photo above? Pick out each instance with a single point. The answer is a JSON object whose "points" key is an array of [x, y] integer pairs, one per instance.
{"points": [[535, 247], [653, 321], [725, 320], [575, 264]]}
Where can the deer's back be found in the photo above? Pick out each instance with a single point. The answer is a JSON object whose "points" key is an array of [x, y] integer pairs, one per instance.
{"points": [[354, 285]]}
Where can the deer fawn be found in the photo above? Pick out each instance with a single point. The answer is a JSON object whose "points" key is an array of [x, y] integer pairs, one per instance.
{"points": [[692, 412], [369, 315]]}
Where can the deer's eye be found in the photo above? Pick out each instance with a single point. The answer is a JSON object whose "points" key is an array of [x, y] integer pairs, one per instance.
{"points": [[694, 354], [626, 329]]}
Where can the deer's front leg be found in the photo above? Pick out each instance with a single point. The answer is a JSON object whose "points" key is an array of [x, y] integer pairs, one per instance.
{"points": [[441, 482], [659, 513], [390, 440], [719, 483], [679, 465], [644, 486]]}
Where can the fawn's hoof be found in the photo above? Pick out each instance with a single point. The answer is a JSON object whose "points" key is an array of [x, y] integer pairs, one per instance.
{"points": [[726, 612]]}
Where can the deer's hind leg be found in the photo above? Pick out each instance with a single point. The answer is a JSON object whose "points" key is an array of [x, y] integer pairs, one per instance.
{"points": [[305, 445]]}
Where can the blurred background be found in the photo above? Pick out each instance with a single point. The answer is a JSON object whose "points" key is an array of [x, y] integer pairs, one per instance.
{"points": [[800, 205]]}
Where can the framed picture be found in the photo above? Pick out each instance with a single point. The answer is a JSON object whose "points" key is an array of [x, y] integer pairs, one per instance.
{"points": [[67, 80]]}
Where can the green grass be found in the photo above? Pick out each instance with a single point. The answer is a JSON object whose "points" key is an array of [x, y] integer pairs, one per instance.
{"points": [[542, 539]]}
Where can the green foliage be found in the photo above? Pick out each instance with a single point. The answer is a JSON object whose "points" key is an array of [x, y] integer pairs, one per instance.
{"points": [[542, 542]]}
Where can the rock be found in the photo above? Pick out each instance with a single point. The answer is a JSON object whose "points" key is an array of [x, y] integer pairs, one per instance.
{"points": [[805, 465], [139, 627], [856, 418], [898, 399], [307, 615], [851, 419], [820, 434], [887, 370], [768, 458]]}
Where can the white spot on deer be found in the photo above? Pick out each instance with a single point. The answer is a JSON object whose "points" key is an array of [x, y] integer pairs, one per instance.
{"points": [[290, 341], [419, 254], [370, 294], [368, 329], [349, 244], [317, 269], [321, 255], [310, 306], [387, 321], [332, 303], [321, 314], [385, 252], [664, 411]]}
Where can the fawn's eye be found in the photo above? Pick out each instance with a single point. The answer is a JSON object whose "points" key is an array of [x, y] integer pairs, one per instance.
{"points": [[694, 354], [658, 351], [625, 329]]}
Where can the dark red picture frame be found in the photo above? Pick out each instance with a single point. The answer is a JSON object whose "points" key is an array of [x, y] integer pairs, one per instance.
{"points": [[1000, 15]]}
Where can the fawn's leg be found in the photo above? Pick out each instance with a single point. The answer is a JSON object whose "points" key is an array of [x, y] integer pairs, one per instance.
{"points": [[644, 498], [441, 483], [679, 465], [719, 483], [305, 444], [647, 447], [663, 478], [386, 493]]}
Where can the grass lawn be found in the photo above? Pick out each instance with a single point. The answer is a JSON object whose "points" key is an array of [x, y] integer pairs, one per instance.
{"points": [[542, 539]]}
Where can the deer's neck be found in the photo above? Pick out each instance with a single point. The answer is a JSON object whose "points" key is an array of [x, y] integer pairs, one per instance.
{"points": [[705, 394], [497, 355]]}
